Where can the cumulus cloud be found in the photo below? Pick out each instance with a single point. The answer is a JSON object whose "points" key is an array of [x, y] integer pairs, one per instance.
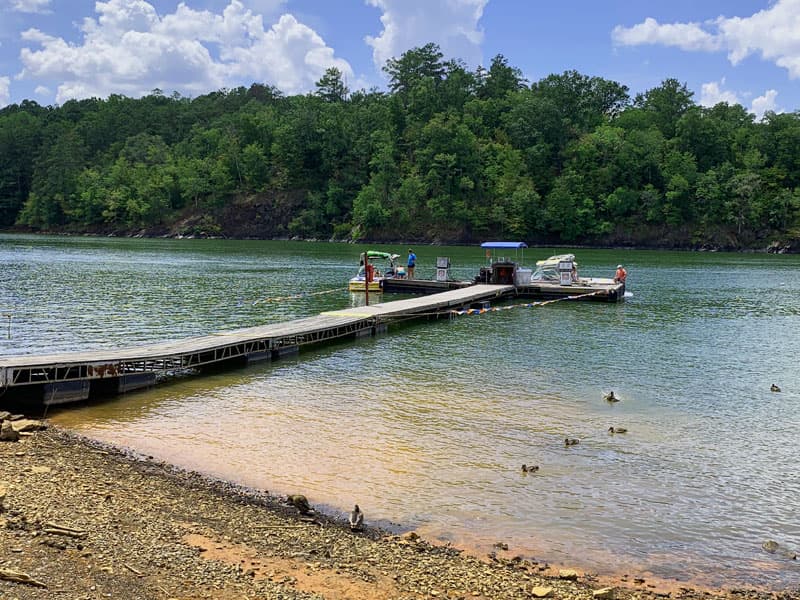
{"points": [[42, 91], [773, 33], [30, 6], [711, 93], [5, 94], [453, 24], [130, 49], [687, 36], [765, 103]]}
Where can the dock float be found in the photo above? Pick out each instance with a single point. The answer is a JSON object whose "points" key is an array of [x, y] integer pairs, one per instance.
{"points": [[73, 376]]}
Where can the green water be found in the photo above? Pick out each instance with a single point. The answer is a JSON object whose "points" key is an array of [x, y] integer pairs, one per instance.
{"points": [[428, 425]]}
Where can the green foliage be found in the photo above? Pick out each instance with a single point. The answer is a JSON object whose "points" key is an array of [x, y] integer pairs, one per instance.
{"points": [[447, 154]]}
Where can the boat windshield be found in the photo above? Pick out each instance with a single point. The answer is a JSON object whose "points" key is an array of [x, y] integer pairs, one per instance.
{"points": [[547, 269]]}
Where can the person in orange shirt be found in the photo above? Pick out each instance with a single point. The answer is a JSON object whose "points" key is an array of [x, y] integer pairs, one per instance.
{"points": [[620, 275]]}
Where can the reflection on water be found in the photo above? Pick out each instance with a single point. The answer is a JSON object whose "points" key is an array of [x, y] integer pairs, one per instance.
{"points": [[428, 425]]}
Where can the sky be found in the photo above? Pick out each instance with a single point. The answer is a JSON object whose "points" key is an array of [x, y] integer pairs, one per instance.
{"points": [[735, 51]]}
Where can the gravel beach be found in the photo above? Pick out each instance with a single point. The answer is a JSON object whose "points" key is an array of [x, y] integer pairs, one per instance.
{"points": [[81, 520]]}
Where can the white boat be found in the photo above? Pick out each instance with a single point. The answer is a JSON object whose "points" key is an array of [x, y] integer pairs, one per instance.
{"points": [[382, 265]]}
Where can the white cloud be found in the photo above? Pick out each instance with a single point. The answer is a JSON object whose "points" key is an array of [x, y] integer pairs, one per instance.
{"points": [[30, 6], [453, 24], [774, 33], [687, 36], [764, 103], [42, 91], [5, 94], [130, 49], [711, 94]]}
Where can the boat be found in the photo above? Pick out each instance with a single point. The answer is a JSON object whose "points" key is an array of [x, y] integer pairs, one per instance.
{"points": [[553, 278], [373, 268]]}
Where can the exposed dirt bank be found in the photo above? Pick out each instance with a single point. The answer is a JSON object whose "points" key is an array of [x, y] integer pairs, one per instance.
{"points": [[82, 520]]}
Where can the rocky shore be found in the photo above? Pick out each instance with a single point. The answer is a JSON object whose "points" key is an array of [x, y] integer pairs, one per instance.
{"points": [[80, 520]]}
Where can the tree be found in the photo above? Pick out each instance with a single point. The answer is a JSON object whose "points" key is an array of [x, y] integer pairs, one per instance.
{"points": [[501, 79], [414, 66], [331, 86], [665, 105]]}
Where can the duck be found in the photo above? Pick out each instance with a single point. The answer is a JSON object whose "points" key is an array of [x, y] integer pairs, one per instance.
{"points": [[774, 388], [530, 468], [610, 397], [617, 430], [356, 518], [300, 503], [571, 441]]}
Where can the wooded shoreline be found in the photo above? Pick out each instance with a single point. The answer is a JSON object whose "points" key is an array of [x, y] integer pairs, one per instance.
{"points": [[446, 155]]}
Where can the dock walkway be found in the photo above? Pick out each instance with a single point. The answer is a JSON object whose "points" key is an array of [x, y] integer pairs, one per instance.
{"points": [[71, 376]]}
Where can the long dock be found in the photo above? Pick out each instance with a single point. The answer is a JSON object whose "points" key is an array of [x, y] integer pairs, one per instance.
{"points": [[73, 376]]}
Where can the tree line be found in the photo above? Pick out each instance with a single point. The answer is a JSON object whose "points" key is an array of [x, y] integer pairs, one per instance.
{"points": [[444, 154]]}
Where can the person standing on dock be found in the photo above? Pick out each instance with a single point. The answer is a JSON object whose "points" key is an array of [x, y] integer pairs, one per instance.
{"points": [[620, 275], [412, 262]]}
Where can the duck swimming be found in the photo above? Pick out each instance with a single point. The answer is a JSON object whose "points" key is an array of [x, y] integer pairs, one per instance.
{"points": [[617, 430], [571, 442], [610, 397], [530, 468], [774, 388]]}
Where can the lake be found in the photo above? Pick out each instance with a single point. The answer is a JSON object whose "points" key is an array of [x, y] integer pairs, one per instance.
{"points": [[427, 426]]}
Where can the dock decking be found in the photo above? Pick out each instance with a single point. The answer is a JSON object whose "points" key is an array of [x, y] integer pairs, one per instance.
{"points": [[71, 376]]}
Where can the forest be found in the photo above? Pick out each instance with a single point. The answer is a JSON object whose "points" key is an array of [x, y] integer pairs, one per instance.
{"points": [[445, 154]]}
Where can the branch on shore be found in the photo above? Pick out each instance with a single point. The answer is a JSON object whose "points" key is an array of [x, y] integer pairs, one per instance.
{"points": [[16, 577]]}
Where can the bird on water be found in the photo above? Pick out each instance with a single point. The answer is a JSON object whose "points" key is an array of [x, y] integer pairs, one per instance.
{"points": [[774, 388], [617, 430], [356, 518], [610, 397], [571, 442], [530, 468]]}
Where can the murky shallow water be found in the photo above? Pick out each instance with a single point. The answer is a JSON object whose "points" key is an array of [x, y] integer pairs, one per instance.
{"points": [[428, 425]]}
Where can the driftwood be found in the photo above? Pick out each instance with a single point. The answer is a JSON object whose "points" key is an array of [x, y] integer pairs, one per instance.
{"points": [[56, 529], [16, 577], [136, 572]]}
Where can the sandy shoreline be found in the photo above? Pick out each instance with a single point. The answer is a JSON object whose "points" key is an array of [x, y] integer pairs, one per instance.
{"points": [[91, 521]]}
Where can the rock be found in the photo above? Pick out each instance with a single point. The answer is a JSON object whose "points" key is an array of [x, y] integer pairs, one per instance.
{"points": [[568, 574], [300, 503], [8, 433], [28, 425], [541, 591], [3, 493], [409, 536], [770, 546], [501, 545], [603, 594], [774, 547], [4, 414]]}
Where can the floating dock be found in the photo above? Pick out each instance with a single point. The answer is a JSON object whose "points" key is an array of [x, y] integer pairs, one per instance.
{"points": [[74, 376]]}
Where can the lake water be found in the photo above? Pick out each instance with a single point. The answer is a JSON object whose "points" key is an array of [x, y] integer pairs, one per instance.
{"points": [[428, 425]]}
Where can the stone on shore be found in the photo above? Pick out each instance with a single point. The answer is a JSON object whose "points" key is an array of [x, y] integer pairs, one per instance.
{"points": [[541, 591], [603, 594], [8, 433], [568, 574]]}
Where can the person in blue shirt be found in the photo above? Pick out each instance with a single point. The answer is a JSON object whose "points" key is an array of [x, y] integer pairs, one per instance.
{"points": [[412, 262]]}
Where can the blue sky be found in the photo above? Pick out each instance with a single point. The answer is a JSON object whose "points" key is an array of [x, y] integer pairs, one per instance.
{"points": [[734, 50]]}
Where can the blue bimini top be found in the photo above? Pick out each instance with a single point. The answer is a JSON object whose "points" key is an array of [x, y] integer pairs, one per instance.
{"points": [[504, 245]]}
